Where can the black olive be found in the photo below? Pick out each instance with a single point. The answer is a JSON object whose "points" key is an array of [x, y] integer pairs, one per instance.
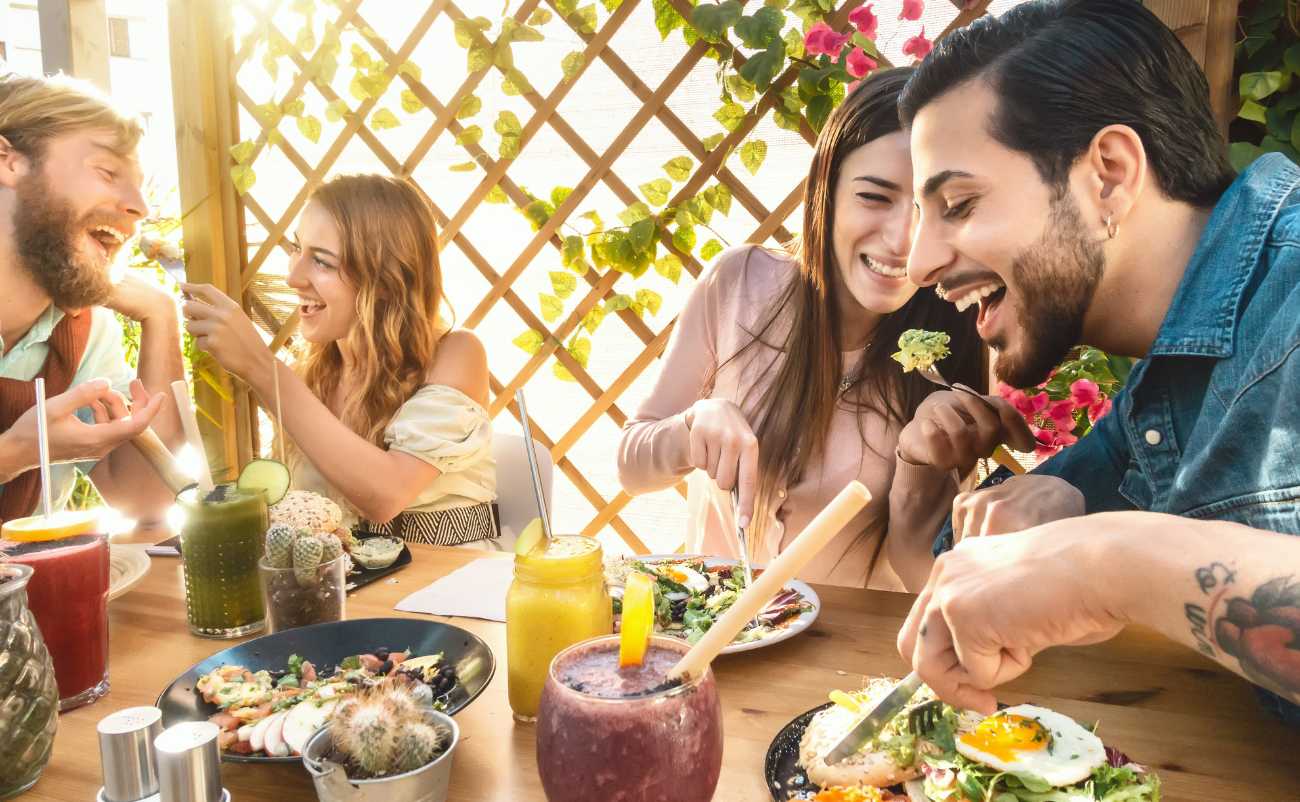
{"points": [[382, 652], [448, 671], [386, 667]]}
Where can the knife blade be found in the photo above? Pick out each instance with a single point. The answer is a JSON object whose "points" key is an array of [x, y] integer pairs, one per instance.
{"points": [[870, 725]]}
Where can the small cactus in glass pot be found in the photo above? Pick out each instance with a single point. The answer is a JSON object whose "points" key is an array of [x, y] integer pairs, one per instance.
{"points": [[384, 731], [304, 577]]}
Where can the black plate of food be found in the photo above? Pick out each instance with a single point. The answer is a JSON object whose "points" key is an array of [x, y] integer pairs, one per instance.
{"points": [[786, 780], [348, 653]]}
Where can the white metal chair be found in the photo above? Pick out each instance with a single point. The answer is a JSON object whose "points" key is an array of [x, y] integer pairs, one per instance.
{"points": [[515, 500]]}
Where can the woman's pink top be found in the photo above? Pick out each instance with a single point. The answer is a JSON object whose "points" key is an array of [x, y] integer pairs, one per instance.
{"points": [[727, 305]]}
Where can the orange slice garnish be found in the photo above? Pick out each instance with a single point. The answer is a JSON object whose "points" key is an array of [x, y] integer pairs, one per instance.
{"points": [[638, 619], [35, 528]]}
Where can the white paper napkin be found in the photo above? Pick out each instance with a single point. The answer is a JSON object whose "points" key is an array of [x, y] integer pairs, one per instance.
{"points": [[475, 590]]}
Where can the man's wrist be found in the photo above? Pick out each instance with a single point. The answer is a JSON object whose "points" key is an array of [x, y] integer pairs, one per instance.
{"points": [[1124, 558]]}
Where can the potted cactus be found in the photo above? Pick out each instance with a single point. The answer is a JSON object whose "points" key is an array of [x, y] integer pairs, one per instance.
{"points": [[29, 697], [382, 744], [304, 577]]}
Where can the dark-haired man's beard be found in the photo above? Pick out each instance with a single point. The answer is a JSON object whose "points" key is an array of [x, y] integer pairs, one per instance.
{"points": [[46, 234], [1055, 280]]}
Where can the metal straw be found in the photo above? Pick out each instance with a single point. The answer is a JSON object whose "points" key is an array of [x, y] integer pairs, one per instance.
{"points": [[532, 465], [43, 446]]}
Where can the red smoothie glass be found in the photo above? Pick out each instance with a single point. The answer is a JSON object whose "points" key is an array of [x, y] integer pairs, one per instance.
{"points": [[68, 594], [608, 733]]}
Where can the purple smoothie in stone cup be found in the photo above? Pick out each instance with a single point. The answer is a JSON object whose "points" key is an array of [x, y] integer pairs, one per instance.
{"points": [[605, 733]]}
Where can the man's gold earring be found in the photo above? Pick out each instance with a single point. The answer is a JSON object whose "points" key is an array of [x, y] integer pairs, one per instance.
{"points": [[1112, 228]]}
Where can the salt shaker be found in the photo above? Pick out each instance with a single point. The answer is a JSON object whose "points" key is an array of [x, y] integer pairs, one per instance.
{"points": [[189, 763], [126, 754]]}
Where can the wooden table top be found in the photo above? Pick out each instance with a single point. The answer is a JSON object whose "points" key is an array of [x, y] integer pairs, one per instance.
{"points": [[1165, 706]]}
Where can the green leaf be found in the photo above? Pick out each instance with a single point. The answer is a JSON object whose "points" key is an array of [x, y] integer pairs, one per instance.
{"points": [[699, 209], [310, 127], [463, 167], [1295, 133], [467, 30], [1259, 85], [515, 83], [512, 31], [634, 213], [712, 20], [479, 58], [667, 19], [361, 57], [670, 267], [793, 43], [242, 152], [739, 88], [1241, 154], [572, 251], [271, 65], [507, 124], [305, 41], [720, 199], [617, 303], [592, 217], [1250, 110], [540, 17], [294, 108], [412, 69], [565, 7], [650, 299], [592, 320], [469, 107], [383, 120], [530, 341], [497, 195], [712, 141], [269, 113], [611, 5], [580, 349], [679, 168], [656, 191], [336, 111], [761, 29], [1291, 59], [559, 195], [763, 67], [641, 234], [584, 19], [538, 213], [572, 64], [819, 110], [730, 115], [509, 147], [552, 307], [243, 177], [562, 373], [410, 103], [684, 239], [274, 137], [563, 284], [710, 249], [752, 154], [470, 136], [790, 121]]}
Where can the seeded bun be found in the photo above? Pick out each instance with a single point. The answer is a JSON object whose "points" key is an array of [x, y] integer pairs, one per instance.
{"points": [[303, 509], [863, 768]]}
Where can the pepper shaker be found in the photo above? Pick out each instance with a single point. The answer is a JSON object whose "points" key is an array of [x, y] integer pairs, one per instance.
{"points": [[126, 754], [189, 763]]}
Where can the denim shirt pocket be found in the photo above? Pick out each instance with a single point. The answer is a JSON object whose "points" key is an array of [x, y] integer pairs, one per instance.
{"points": [[1275, 510]]}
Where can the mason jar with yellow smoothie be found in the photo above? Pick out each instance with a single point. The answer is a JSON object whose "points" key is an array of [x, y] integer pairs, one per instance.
{"points": [[557, 599]]}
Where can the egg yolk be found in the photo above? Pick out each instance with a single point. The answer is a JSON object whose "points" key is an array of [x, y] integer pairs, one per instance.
{"points": [[677, 576], [1003, 736]]}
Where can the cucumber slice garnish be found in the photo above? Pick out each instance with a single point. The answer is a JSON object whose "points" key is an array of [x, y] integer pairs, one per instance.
{"points": [[269, 476]]}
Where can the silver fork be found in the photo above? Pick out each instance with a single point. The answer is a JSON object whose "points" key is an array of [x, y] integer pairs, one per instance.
{"points": [[1000, 454]]}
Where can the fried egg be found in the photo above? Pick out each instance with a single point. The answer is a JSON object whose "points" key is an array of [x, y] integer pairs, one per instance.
{"points": [[1034, 740], [689, 578]]}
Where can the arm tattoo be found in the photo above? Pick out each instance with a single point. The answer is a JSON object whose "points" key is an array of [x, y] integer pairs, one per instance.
{"points": [[1261, 630]]}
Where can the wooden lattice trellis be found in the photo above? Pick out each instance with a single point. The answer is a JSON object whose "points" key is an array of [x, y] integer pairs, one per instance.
{"points": [[212, 64]]}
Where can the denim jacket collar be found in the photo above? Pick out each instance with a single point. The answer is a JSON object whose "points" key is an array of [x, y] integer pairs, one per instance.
{"points": [[1202, 320]]}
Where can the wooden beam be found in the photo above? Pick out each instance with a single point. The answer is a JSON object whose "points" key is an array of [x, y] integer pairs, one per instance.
{"points": [[199, 32], [74, 39]]}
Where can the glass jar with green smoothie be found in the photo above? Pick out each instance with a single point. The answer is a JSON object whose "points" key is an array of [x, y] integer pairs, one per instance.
{"points": [[222, 540]]}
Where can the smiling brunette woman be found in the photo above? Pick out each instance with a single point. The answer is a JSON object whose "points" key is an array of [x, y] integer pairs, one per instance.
{"points": [[778, 379], [386, 411]]}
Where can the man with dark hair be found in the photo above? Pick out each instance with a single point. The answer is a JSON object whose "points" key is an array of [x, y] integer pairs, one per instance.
{"points": [[1070, 179]]}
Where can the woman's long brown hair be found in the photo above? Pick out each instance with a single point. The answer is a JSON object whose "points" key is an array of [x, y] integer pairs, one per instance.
{"points": [[390, 255], [795, 411]]}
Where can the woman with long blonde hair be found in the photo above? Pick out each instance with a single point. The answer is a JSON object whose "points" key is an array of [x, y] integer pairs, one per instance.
{"points": [[385, 411]]}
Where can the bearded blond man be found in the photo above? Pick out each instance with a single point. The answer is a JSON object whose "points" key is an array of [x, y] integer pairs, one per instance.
{"points": [[70, 200]]}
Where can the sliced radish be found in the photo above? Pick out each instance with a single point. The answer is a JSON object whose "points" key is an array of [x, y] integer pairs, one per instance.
{"points": [[258, 736], [303, 721], [246, 732], [275, 746]]}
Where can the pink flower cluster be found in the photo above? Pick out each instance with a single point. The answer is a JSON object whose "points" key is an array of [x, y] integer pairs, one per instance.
{"points": [[1056, 424]]}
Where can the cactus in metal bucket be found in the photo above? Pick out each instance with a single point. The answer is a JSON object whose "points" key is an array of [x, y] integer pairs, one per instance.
{"points": [[383, 731]]}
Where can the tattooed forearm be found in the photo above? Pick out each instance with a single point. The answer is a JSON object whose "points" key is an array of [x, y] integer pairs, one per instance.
{"points": [[1262, 630]]}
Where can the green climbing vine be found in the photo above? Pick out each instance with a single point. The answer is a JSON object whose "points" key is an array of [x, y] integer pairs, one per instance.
{"points": [[754, 46], [1268, 71]]}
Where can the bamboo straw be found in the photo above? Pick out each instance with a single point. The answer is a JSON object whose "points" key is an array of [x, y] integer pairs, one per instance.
{"points": [[826, 525], [191, 424], [152, 449]]}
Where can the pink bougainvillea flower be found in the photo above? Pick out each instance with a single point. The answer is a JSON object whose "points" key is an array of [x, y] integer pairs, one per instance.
{"points": [[850, 86], [859, 63], [918, 46], [1005, 390], [1046, 442], [1098, 410], [1039, 402], [1084, 392], [1061, 414], [912, 9], [864, 19], [1066, 439], [821, 40], [1021, 402]]}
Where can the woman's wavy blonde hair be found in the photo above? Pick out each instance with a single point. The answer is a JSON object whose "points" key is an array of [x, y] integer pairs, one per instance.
{"points": [[390, 255]]}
